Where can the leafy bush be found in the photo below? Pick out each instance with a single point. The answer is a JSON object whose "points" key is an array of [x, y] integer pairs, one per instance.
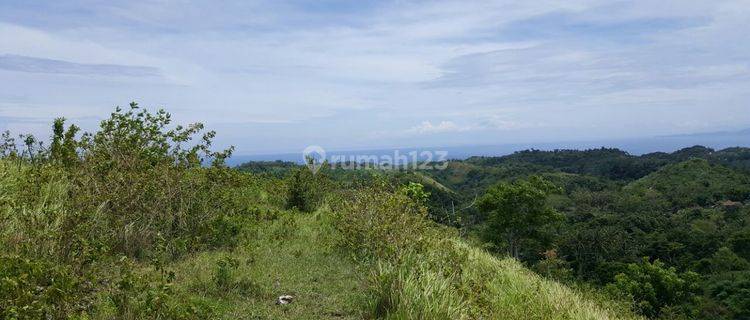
{"points": [[380, 224], [126, 185], [415, 192], [138, 187], [138, 296], [305, 190], [222, 231], [35, 289]]}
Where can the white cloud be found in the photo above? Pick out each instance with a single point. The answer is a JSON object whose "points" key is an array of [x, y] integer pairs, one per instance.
{"points": [[494, 123], [426, 127]]}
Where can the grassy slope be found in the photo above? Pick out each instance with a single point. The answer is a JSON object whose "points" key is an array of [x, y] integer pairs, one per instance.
{"points": [[521, 294], [293, 256], [285, 256]]}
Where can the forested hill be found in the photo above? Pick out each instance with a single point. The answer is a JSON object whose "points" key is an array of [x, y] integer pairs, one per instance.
{"points": [[628, 222], [669, 231], [614, 163]]}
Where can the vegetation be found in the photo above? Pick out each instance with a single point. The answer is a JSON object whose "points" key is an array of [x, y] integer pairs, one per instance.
{"points": [[142, 219], [685, 213], [424, 271], [517, 212], [655, 287]]}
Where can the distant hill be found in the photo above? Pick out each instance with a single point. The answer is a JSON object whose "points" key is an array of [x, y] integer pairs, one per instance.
{"points": [[696, 181], [634, 146]]}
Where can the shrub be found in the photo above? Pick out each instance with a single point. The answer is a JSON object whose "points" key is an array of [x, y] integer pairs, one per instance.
{"points": [[224, 272], [123, 186], [222, 231], [380, 224], [36, 289], [138, 187], [305, 190], [139, 296]]}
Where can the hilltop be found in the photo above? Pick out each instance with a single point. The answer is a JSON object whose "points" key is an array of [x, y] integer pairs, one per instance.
{"points": [[136, 221]]}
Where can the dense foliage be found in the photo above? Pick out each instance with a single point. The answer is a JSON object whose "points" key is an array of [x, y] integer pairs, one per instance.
{"points": [[687, 213], [517, 212], [669, 231], [76, 216]]}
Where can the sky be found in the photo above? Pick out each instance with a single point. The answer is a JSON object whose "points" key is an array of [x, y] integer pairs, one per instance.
{"points": [[277, 76]]}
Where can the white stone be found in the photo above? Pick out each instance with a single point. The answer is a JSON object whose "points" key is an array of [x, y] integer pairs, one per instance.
{"points": [[285, 299]]}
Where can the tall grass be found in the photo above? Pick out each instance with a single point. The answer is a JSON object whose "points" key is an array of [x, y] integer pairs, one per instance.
{"points": [[424, 271], [412, 290]]}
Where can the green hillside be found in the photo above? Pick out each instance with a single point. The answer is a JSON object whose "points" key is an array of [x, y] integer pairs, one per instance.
{"points": [[667, 231], [137, 220], [629, 223], [696, 181]]}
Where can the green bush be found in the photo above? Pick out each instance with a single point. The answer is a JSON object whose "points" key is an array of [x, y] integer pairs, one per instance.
{"points": [[380, 224], [35, 289], [123, 187], [137, 296], [224, 272], [139, 187], [305, 189], [222, 231]]}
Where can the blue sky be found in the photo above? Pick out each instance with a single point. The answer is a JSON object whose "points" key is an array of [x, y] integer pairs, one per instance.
{"points": [[277, 76]]}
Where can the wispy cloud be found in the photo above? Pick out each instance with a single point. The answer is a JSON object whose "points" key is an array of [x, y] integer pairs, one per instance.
{"points": [[40, 65]]}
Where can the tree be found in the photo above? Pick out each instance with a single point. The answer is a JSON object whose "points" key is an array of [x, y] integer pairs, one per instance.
{"points": [[64, 144], [653, 286], [518, 211], [733, 291]]}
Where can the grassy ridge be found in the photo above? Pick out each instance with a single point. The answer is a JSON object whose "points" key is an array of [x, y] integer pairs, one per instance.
{"points": [[422, 271], [297, 255], [288, 255], [127, 223]]}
